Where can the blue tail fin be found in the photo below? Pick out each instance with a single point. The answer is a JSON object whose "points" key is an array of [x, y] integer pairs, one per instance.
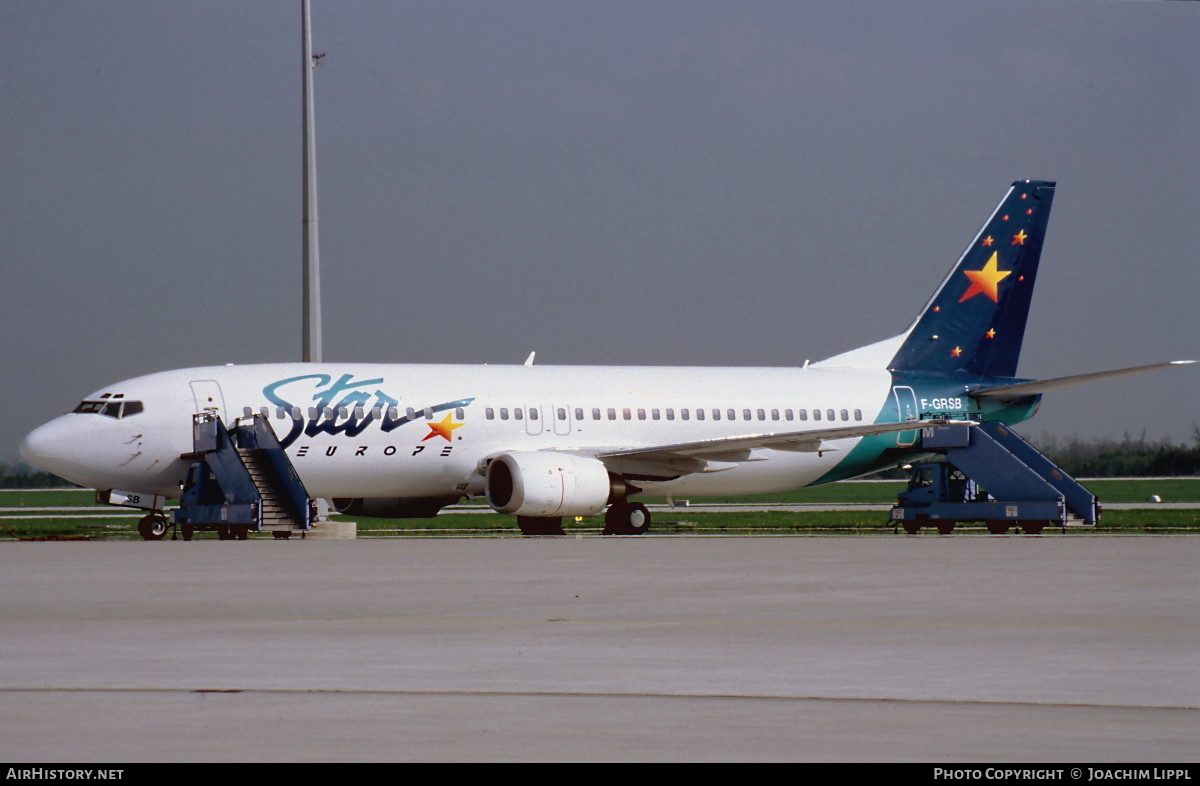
{"points": [[975, 323]]}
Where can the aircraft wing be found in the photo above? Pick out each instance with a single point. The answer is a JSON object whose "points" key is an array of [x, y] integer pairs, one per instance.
{"points": [[1020, 389], [716, 455]]}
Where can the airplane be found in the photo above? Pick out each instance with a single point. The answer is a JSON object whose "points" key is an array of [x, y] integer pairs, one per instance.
{"points": [[547, 442]]}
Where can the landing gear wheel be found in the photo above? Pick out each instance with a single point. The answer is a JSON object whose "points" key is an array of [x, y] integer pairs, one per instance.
{"points": [[912, 527], [945, 527], [187, 530], [626, 518], [998, 527], [152, 527], [540, 525], [1033, 527], [223, 532], [281, 534], [240, 531]]}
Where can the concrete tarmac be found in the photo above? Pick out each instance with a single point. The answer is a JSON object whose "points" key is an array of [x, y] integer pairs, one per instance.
{"points": [[879, 648]]}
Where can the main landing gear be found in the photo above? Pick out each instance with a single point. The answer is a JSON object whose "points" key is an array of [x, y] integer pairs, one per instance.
{"points": [[622, 518], [626, 518]]}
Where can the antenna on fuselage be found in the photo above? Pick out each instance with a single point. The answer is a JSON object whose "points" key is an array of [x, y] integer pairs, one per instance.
{"points": [[311, 342]]}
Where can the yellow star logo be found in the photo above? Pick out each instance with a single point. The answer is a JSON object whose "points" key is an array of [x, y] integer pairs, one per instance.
{"points": [[444, 429], [991, 333], [1019, 238], [986, 280]]}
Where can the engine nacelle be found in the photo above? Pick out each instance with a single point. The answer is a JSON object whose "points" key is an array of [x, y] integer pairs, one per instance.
{"points": [[393, 507], [547, 484]]}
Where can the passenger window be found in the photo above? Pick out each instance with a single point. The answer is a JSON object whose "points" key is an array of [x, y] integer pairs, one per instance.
{"points": [[612, 414], [829, 414], [393, 413], [519, 414], [699, 414], [247, 412], [670, 414], [845, 415], [489, 413], [562, 414], [626, 414], [731, 414], [641, 414], [745, 414], [428, 413], [803, 414], [816, 414], [533, 413], [411, 413], [858, 414], [578, 413], [504, 413], [655, 414], [595, 413], [359, 414], [458, 413], [787, 414]]}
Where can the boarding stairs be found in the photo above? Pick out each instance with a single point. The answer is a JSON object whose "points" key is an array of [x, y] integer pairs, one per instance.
{"points": [[988, 473], [241, 480]]}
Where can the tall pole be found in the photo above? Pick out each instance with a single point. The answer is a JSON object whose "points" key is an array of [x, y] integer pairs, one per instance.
{"points": [[311, 345]]}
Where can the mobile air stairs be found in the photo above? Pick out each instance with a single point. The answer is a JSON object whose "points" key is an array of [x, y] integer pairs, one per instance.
{"points": [[1023, 487], [240, 479]]}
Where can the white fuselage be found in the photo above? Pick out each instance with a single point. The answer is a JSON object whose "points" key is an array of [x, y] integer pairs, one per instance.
{"points": [[377, 430]]}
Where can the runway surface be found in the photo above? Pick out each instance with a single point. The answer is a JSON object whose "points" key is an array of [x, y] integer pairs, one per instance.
{"points": [[1055, 648]]}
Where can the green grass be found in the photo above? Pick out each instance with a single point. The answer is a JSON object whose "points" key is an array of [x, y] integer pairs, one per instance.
{"points": [[767, 522], [882, 493], [48, 498], [679, 520], [754, 523]]}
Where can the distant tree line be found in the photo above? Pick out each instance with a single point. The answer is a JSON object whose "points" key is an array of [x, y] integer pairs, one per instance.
{"points": [[1126, 457], [23, 476]]}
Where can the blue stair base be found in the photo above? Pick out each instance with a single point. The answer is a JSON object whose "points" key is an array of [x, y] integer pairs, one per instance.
{"points": [[241, 478], [990, 474]]}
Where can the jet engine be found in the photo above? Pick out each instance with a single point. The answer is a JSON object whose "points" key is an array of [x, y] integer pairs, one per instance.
{"points": [[393, 507], [547, 484]]}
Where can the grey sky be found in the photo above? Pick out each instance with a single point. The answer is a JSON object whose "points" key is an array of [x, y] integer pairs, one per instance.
{"points": [[715, 183]]}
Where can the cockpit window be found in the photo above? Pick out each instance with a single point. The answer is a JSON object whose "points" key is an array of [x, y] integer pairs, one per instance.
{"points": [[113, 408]]}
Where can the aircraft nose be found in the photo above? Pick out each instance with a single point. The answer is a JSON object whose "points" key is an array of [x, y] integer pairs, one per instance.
{"points": [[51, 446]]}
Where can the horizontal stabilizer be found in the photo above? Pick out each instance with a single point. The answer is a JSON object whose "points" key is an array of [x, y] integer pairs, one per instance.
{"points": [[1037, 387]]}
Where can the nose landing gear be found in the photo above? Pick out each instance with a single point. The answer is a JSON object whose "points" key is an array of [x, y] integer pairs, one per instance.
{"points": [[152, 527]]}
